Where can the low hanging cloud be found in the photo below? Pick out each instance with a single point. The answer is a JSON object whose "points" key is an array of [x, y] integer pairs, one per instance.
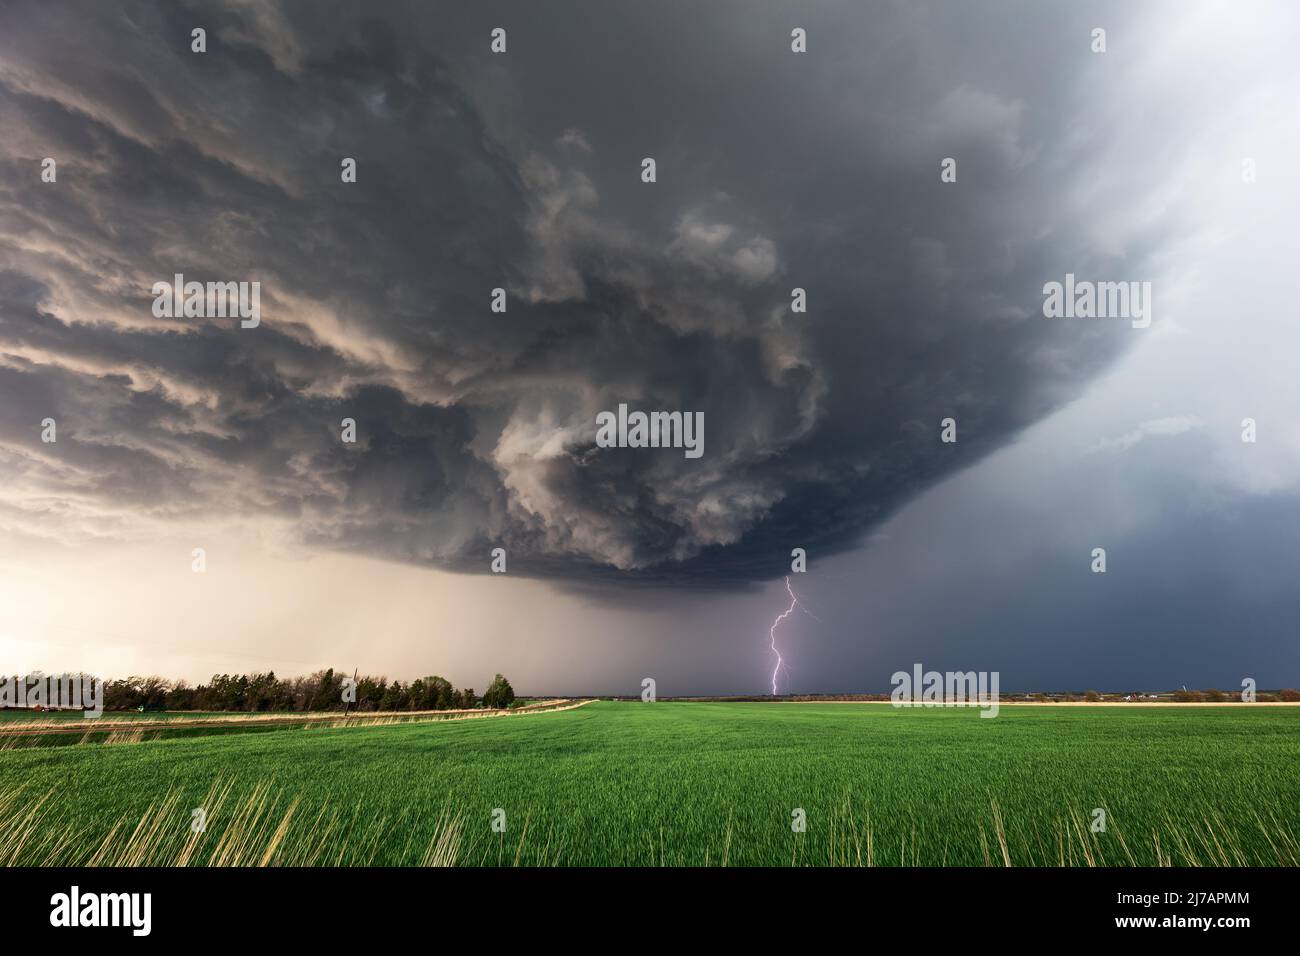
{"points": [[521, 171]]}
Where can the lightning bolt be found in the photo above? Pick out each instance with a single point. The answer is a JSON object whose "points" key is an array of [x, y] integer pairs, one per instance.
{"points": [[794, 603]]}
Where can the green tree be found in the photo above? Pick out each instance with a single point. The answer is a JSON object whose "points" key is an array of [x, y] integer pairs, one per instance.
{"points": [[499, 693], [394, 697], [417, 696], [441, 693]]}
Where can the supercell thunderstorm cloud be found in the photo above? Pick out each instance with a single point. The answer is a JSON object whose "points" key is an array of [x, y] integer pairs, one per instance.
{"points": [[478, 426]]}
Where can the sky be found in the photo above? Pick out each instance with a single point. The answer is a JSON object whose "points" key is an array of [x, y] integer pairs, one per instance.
{"points": [[774, 170]]}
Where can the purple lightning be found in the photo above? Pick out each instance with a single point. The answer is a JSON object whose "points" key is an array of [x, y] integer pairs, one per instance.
{"points": [[794, 603]]}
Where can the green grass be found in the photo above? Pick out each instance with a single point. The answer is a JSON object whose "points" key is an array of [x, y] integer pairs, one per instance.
{"points": [[685, 783]]}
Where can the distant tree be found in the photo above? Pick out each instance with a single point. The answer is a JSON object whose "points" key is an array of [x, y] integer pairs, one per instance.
{"points": [[282, 698], [369, 692], [1215, 695], [417, 695], [499, 693], [262, 691], [1289, 693], [225, 692], [1092, 696], [120, 695], [394, 697], [181, 696], [442, 696], [323, 690]]}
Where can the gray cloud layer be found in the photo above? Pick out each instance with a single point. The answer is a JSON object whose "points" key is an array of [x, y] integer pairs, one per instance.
{"points": [[475, 171]]}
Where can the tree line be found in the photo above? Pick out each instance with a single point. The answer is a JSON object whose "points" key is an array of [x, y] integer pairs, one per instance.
{"points": [[323, 690]]}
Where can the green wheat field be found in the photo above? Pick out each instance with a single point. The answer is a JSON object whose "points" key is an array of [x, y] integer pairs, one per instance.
{"points": [[621, 783]]}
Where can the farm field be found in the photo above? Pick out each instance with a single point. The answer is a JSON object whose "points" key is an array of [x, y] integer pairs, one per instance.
{"points": [[122, 716], [622, 783], [72, 728]]}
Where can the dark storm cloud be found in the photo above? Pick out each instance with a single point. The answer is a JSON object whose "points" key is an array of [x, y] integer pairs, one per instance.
{"points": [[476, 171]]}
